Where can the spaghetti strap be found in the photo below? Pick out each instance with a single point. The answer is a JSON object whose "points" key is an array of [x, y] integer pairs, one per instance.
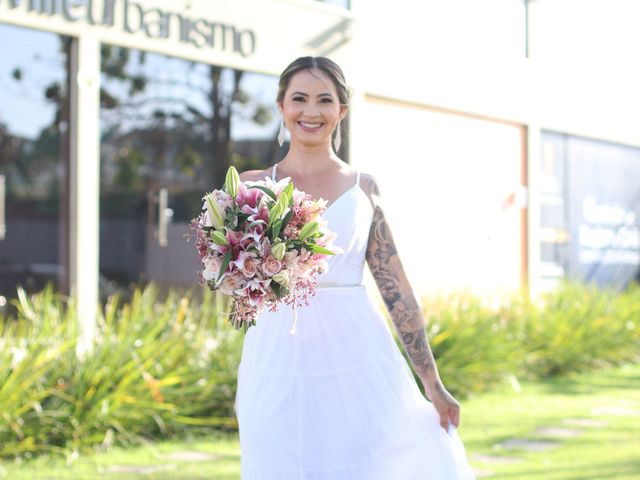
{"points": [[357, 177], [273, 172]]}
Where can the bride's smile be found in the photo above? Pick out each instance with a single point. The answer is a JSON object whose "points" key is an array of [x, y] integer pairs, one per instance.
{"points": [[311, 127]]}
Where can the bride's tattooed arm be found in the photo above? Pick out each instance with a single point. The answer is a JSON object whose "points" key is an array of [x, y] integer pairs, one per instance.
{"points": [[407, 317]]}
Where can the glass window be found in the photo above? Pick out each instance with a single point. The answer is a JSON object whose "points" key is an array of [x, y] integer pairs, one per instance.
{"points": [[33, 161], [590, 210], [169, 130]]}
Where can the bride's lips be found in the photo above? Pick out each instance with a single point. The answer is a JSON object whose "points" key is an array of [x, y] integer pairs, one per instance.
{"points": [[310, 126]]}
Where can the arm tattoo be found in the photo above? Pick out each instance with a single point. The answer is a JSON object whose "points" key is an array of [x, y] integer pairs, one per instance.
{"points": [[385, 266]]}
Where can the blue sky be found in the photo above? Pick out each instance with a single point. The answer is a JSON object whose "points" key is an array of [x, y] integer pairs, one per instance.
{"points": [[22, 104]]}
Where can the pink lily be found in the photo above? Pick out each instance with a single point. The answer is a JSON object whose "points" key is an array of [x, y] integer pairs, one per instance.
{"points": [[278, 186], [248, 196]]}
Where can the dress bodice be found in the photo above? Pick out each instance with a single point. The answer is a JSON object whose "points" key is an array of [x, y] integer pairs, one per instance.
{"points": [[349, 216]]}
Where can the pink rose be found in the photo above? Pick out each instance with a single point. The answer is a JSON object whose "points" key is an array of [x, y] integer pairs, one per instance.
{"points": [[250, 267], [290, 256], [242, 258], [231, 283], [212, 266], [271, 266], [304, 255]]}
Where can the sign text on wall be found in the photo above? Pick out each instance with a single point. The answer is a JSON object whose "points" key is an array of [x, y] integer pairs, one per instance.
{"points": [[155, 23]]}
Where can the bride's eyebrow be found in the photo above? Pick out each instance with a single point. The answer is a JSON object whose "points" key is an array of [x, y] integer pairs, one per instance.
{"points": [[320, 95]]}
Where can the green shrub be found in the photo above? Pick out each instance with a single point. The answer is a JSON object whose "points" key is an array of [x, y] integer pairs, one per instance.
{"points": [[577, 328], [31, 347], [475, 345], [168, 365], [157, 367]]}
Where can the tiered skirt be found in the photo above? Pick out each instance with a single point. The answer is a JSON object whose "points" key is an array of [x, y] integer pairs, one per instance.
{"points": [[337, 400]]}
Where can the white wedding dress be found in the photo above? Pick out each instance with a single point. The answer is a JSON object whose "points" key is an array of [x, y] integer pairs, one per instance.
{"points": [[337, 400]]}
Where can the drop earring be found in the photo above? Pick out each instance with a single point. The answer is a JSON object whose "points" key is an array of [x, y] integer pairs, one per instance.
{"points": [[282, 132], [337, 141]]}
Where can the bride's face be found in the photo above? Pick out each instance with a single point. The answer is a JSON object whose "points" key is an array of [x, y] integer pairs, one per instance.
{"points": [[311, 108]]}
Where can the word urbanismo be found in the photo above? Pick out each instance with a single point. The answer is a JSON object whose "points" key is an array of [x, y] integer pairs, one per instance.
{"points": [[154, 22]]}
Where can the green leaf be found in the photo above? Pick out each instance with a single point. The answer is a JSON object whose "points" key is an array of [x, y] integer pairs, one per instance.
{"points": [[287, 194], [309, 230], [275, 213], [286, 219], [225, 263], [266, 190], [313, 248], [275, 228]]}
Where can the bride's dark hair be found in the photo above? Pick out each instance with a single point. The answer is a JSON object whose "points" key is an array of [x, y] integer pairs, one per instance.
{"points": [[323, 64]]}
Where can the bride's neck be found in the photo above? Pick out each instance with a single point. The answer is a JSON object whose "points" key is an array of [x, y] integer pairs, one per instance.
{"points": [[308, 160]]}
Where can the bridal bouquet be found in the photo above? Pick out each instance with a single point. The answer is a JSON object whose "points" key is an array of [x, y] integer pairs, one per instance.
{"points": [[262, 243]]}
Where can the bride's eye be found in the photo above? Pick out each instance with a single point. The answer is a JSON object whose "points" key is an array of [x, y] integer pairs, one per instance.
{"points": [[327, 100], [298, 99]]}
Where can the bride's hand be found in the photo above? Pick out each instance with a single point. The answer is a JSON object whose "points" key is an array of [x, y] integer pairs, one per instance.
{"points": [[447, 407]]}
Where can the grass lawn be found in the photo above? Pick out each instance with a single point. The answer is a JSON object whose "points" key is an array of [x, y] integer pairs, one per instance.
{"points": [[596, 418], [609, 400]]}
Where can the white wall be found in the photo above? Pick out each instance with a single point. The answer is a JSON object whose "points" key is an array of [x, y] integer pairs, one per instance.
{"points": [[444, 179], [468, 56], [586, 54]]}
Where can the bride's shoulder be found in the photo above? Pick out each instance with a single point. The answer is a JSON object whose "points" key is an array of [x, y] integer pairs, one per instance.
{"points": [[369, 184], [254, 175]]}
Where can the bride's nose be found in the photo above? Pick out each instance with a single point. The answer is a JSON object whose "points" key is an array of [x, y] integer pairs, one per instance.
{"points": [[311, 110]]}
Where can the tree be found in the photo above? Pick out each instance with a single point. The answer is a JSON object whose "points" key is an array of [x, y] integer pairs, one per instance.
{"points": [[199, 127]]}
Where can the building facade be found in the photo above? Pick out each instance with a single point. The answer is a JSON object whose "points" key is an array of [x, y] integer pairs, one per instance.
{"points": [[504, 134], [522, 123]]}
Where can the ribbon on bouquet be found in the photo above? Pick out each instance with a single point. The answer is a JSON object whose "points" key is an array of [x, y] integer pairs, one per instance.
{"points": [[293, 330]]}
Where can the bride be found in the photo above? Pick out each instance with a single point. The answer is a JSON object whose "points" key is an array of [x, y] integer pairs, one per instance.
{"points": [[337, 401]]}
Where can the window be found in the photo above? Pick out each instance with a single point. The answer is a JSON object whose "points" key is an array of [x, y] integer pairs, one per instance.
{"points": [[34, 154], [590, 227], [169, 130]]}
